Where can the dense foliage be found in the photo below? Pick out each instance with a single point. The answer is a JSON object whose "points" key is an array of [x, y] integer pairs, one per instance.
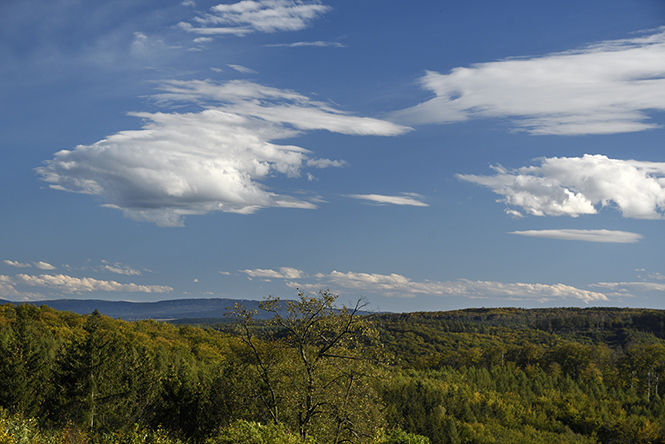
{"points": [[319, 373]]}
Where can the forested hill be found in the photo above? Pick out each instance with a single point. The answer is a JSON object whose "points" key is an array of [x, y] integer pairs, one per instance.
{"points": [[433, 335], [613, 325], [181, 311], [197, 308], [556, 320], [320, 374]]}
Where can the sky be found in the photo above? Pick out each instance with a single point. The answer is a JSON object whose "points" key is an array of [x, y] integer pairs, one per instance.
{"points": [[422, 156]]}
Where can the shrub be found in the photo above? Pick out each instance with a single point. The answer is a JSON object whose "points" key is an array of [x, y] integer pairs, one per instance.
{"points": [[399, 437], [249, 432]]}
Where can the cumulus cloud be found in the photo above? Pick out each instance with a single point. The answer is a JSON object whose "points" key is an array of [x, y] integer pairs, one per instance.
{"points": [[572, 186], [605, 88], [621, 237], [17, 264], [69, 284], [181, 164], [8, 290], [406, 199], [247, 16], [400, 286], [281, 273]]}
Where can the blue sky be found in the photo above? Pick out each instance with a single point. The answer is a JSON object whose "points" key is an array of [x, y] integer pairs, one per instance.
{"points": [[422, 155]]}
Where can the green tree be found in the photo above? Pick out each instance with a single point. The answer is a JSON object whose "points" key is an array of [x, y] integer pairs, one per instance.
{"points": [[316, 366], [104, 381], [644, 365], [247, 432], [26, 361]]}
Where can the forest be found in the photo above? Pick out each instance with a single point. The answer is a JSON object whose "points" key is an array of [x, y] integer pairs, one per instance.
{"points": [[318, 373]]}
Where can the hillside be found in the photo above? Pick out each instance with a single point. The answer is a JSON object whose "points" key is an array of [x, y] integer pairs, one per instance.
{"points": [[419, 335], [473, 376], [162, 310]]}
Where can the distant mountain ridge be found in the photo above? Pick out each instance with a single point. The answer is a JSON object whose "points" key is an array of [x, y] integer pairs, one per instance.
{"points": [[161, 310]]}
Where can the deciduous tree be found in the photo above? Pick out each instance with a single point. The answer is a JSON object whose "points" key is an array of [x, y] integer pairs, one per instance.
{"points": [[316, 372]]}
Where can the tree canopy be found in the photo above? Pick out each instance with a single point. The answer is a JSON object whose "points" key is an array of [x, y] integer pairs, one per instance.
{"points": [[320, 373]]}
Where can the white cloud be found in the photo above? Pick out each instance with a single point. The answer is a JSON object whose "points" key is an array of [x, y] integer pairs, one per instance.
{"points": [[249, 16], [579, 185], [119, 268], [139, 42], [180, 164], [406, 199], [282, 273], [285, 108], [326, 163], [44, 266], [400, 286], [185, 26], [626, 288], [319, 44], [17, 264], [242, 69], [148, 48], [69, 284], [8, 290], [622, 237], [601, 89]]}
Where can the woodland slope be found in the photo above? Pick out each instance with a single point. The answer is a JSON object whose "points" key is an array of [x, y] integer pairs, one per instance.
{"points": [[322, 373]]}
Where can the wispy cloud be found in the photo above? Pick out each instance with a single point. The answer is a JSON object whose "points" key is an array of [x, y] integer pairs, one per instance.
{"points": [[405, 199], [181, 164], [305, 44], [621, 237], [605, 88], [572, 186], [38, 264], [289, 109], [627, 288], [119, 268], [396, 285], [247, 16], [17, 264], [242, 69], [281, 273]]}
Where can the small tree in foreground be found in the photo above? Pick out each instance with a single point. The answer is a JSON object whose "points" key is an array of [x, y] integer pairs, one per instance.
{"points": [[316, 367]]}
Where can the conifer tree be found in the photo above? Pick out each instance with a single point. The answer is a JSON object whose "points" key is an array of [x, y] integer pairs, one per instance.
{"points": [[26, 361]]}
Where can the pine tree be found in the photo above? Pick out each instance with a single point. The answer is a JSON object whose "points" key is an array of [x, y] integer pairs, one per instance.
{"points": [[26, 362]]}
